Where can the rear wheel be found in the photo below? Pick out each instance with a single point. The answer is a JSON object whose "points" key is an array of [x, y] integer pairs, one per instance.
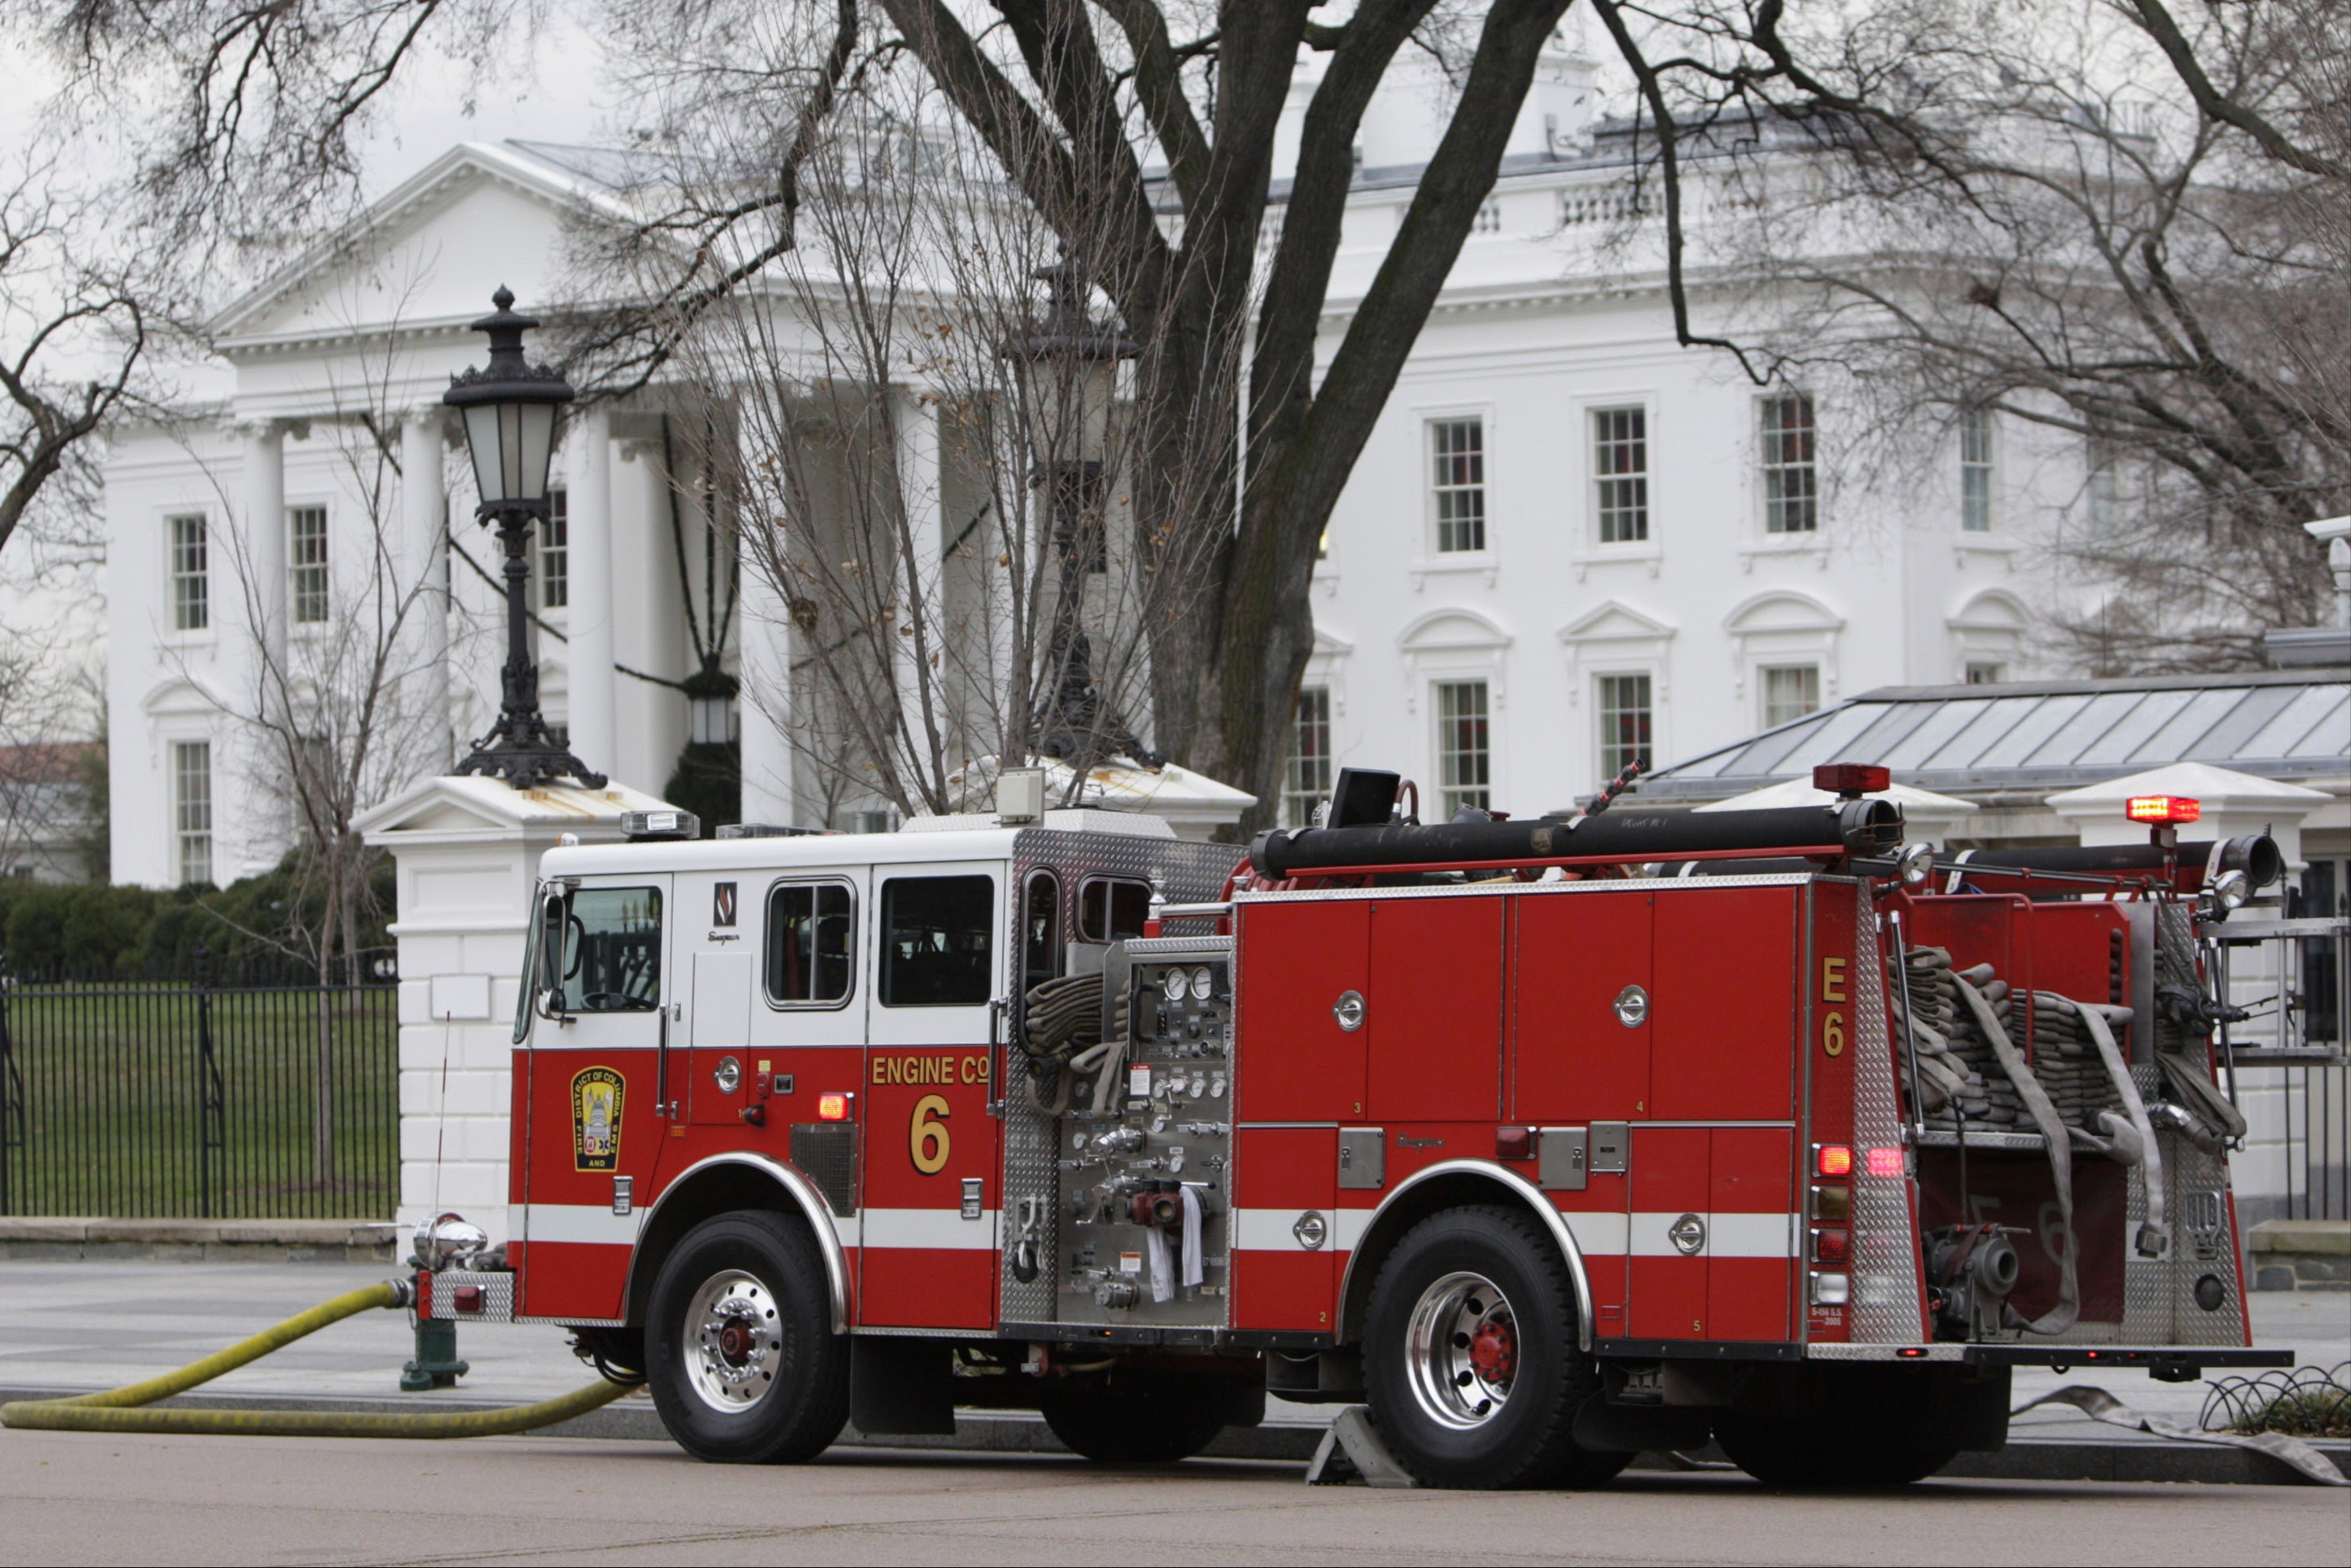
{"points": [[1470, 1360], [1143, 1417], [739, 1346]]}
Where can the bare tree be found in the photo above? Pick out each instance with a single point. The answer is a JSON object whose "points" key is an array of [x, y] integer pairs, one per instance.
{"points": [[2118, 230], [930, 478], [45, 724], [1067, 99], [75, 336]]}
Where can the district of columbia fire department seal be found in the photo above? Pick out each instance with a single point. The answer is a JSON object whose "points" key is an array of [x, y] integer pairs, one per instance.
{"points": [[596, 1093]]}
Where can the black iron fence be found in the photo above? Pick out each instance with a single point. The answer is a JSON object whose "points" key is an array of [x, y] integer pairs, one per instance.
{"points": [[253, 1092]]}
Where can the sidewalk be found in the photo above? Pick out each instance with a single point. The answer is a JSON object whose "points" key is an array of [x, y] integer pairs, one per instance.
{"points": [[77, 1325]]}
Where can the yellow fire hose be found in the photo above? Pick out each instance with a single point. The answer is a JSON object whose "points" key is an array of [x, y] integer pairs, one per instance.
{"points": [[113, 1411]]}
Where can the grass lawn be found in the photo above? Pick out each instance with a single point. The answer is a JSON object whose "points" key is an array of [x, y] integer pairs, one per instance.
{"points": [[111, 1082]]}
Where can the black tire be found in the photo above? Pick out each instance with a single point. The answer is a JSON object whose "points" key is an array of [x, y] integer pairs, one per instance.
{"points": [[1138, 1417], [769, 1383], [1525, 1435], [1805, 1453]]}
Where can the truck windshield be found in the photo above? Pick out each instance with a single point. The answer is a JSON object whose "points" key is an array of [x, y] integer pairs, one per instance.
{"points": [[611, 950]]}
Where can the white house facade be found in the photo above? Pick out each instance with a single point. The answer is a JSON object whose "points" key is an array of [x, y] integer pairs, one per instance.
{"points": [[1569, 542]]}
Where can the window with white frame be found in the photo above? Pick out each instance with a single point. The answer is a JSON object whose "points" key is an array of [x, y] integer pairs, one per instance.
{"points": [[2101, 485], [192, 803], [1982, 673], [1975, 470], [555, 552], [1791, 482], [1458, 481], [1308, 783], [1789, 692], [1620, 461], [305, 554], [1625, 722], [192, 608], [1464, 747]]}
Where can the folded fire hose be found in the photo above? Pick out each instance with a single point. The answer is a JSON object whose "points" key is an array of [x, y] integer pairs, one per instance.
{"points": [[114, 1410]]}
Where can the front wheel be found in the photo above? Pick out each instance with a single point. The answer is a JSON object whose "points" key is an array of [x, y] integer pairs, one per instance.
{"points": [[1470, 1356], [739, 1347]]}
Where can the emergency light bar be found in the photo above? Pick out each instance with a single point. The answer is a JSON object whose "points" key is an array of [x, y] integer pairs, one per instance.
{"points": [[666, 823], [2164, 808], [1852, 777]]}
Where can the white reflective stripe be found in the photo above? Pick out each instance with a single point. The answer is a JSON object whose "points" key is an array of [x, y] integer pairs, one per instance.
{"points": [[1275, 1230], [1596, 1235], [1727, 1236], [932, 1229], [583, 1222]]}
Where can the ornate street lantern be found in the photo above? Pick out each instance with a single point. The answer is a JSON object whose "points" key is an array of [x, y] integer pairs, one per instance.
{"points": [[1072, 380], [512, 408]]}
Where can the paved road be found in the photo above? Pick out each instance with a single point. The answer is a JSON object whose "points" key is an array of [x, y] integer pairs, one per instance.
{"points": [[61, 1326], [74, 1498]]}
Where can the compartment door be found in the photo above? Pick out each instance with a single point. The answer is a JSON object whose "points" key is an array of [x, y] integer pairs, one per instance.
{"points": [[1298, 960], [1436, 1009], [603, 1077], [931, 1206], [1574, 1060]]}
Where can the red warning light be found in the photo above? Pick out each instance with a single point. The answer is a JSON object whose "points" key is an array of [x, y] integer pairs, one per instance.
{"points": [[1852, 777], [2172, 808], [832, 1107], [1834, 1160]]}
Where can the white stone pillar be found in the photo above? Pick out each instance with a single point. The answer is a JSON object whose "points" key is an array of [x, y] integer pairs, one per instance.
{"points": [[424, 510], [588, 470], [465, 852], [922, 496], [265, 542], [765, 707]]}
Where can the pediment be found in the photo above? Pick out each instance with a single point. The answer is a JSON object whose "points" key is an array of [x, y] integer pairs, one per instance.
{"points": [[1452, 628], [1615, 621], [430, 252], [1782, 610]]}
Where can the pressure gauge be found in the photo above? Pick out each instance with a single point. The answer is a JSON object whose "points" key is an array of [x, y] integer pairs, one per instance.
{"points": [[1171, 983], [1203, 982]]}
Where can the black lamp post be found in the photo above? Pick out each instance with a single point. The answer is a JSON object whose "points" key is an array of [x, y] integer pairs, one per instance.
{"points": [[1075, 376], [512, 408]]}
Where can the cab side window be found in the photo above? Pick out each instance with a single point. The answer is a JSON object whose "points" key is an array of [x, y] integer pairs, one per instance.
{"points": [[810, 943], [611, 950], [1112, 908], [1040, 929], [937, 938]]}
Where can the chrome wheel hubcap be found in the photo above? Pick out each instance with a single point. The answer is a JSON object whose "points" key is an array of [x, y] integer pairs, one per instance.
{"points": [[1462, 1351], [735, 1343]]}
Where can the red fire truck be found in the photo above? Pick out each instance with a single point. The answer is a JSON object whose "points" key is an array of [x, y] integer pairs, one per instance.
{"points": [[1549, 1141]]}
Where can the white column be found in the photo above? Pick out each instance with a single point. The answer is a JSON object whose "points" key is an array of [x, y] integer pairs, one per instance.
{"points": [[265, 540], [922, 494], [764, 709], [588, 470], [423, 506]]}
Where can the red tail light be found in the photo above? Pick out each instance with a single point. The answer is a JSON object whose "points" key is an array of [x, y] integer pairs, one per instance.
{"points": [[1832, 1246], [1885, 1162], [1832, 1160]]}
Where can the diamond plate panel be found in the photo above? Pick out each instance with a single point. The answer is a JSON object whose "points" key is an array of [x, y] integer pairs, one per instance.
{"points": [[1886, 1284], [1187, 872], [497, 1289]]}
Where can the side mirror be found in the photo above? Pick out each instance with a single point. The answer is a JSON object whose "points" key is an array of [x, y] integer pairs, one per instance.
{"points": [[549, 981]]}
